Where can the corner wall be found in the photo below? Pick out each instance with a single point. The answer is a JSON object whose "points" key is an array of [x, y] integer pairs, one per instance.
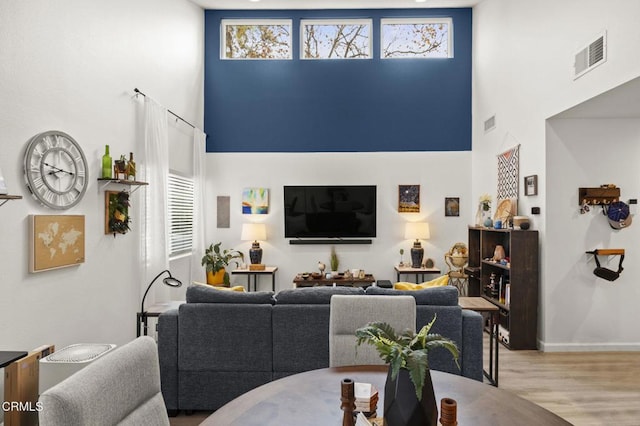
{"points": [[72, 65], [523, 73]]}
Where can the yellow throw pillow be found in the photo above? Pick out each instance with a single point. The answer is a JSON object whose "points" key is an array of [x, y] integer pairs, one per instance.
{"points": [[406, 286], [239, 288], [436, 282]]}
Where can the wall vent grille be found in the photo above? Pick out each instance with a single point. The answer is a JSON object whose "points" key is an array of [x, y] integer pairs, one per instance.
{"points": [[594, 54], [490, 123]]}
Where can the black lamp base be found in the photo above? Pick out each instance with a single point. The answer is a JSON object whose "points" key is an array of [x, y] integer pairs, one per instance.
{"points": [[255, 253], [417, 253]]}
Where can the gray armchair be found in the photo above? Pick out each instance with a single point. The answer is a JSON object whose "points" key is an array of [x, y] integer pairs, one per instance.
{"points": [[120, 388], [349, 313]]}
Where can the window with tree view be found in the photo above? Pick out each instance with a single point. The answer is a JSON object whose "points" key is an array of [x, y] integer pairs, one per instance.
{"points": [[256, 39], [416, 38], [330, 39]]}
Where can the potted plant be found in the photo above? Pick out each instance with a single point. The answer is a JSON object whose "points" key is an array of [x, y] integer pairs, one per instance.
{"points": [[409, 378], [216, 260], [335, 262]]}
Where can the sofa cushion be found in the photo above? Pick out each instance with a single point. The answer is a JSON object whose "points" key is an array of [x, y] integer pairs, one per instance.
{"points": [[446, 296], [207, 294], [320, 295]]}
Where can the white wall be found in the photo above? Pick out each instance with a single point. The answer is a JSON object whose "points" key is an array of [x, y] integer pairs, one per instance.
{"points": [[71, 65], [440, 175], [602, 314], [523, 72]]}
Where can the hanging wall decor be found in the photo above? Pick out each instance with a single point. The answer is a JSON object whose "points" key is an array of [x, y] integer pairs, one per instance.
{"points": [[255, 201], [508, 173], [452, 206], [409, 198], [116, 213], [57, 241]]}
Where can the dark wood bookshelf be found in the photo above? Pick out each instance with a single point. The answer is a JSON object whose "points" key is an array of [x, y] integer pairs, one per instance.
{"points": [[519, 314]]}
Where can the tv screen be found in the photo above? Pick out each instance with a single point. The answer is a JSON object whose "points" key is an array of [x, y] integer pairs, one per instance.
{"points": [[330, 211]]}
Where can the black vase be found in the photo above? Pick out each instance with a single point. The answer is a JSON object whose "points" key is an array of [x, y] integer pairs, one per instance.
{"points": [[402, 407]]}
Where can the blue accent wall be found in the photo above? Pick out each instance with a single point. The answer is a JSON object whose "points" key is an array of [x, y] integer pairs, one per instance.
{"points": [[338, 105]]}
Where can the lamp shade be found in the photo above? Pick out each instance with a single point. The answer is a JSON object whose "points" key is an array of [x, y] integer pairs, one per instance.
{"points": [[417, 230], [253, 232]]}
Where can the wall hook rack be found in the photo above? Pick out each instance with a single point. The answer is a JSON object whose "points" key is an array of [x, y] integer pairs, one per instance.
{"points": [[603, 195]]}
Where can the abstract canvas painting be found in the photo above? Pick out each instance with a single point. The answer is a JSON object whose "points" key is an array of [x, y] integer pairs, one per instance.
{"points": [[255, 201]]}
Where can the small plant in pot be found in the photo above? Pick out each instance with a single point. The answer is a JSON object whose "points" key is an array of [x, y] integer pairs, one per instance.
{"points": [[216, 260], [409, 378], [334, 262]]}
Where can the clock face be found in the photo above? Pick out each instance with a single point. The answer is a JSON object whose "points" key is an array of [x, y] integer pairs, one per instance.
{"points": [[55, 170]]}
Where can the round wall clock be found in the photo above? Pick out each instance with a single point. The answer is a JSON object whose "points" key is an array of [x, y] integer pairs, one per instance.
{"points": [[55, 169]]}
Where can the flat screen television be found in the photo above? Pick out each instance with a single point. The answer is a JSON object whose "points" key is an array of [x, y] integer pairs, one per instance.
{"points": [[339, 211]]}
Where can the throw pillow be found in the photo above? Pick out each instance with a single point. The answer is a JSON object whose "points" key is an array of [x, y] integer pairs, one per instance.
{"points": [[209, 294], [239, 288], [444, 295], [313, 295], [437, 282]]}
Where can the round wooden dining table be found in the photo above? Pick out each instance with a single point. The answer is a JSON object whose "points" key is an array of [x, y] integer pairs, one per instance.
{"points": [[313, 398]]}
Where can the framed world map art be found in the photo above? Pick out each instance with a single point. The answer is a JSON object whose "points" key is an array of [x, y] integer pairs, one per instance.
{"points": [[57, 241]]}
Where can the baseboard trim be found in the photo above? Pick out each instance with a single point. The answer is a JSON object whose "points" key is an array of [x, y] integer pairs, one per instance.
{"points": [[589, 347]]}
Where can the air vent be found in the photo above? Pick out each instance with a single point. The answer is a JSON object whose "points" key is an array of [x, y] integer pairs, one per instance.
{"points": [[591, 56], [490, 123]]}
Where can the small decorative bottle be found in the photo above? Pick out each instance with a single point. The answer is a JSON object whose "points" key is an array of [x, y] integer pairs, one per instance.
{"points": [[106, 163], [131, 168]]}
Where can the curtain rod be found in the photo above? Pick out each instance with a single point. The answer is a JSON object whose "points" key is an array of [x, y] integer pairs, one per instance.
{"points": [[138, 92]]}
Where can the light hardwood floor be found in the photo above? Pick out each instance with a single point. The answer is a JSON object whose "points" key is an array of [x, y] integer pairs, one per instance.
{"points": [[584, 388]]}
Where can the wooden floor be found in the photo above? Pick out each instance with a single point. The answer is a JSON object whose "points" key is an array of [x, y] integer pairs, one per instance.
{"points": [[584, 388]]}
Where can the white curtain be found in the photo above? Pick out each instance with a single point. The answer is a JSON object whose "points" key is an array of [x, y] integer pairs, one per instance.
{"points": [[199, 232], [155, 170]]}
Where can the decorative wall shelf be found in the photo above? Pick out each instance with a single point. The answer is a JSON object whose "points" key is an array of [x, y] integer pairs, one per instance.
{"points": [[5, 198], [136, 183]]}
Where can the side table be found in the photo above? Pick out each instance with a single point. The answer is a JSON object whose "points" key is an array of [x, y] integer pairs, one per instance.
{"points": [[7, 357], [268, 270], [408, 270], [154, 311], [480, 304]]}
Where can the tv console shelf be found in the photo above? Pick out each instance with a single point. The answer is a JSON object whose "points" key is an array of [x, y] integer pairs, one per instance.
{"points": [[329, 241]]}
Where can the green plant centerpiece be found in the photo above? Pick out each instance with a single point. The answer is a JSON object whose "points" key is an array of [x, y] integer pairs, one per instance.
{"points": [[407, 356], [217, 259]]}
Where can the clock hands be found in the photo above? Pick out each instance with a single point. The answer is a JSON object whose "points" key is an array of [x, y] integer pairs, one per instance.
{"points": [[57, 170]]}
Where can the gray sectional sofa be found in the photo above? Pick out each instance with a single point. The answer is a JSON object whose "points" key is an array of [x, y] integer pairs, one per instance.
{"points": [[219, 345]]}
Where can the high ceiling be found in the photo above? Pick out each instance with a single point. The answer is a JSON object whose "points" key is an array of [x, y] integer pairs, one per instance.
{"points": [[332, 4]]}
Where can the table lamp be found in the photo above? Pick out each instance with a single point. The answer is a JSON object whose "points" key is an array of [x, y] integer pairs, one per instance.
{"points": [[419, 231], [255, 232], [170, 281]]}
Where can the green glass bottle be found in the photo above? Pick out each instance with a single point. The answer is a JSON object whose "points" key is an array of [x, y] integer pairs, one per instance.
{"points": [[131, 168], [106, 164]]}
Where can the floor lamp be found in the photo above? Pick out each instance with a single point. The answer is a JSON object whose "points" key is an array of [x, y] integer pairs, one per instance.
{"points": [[142, 315]]}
